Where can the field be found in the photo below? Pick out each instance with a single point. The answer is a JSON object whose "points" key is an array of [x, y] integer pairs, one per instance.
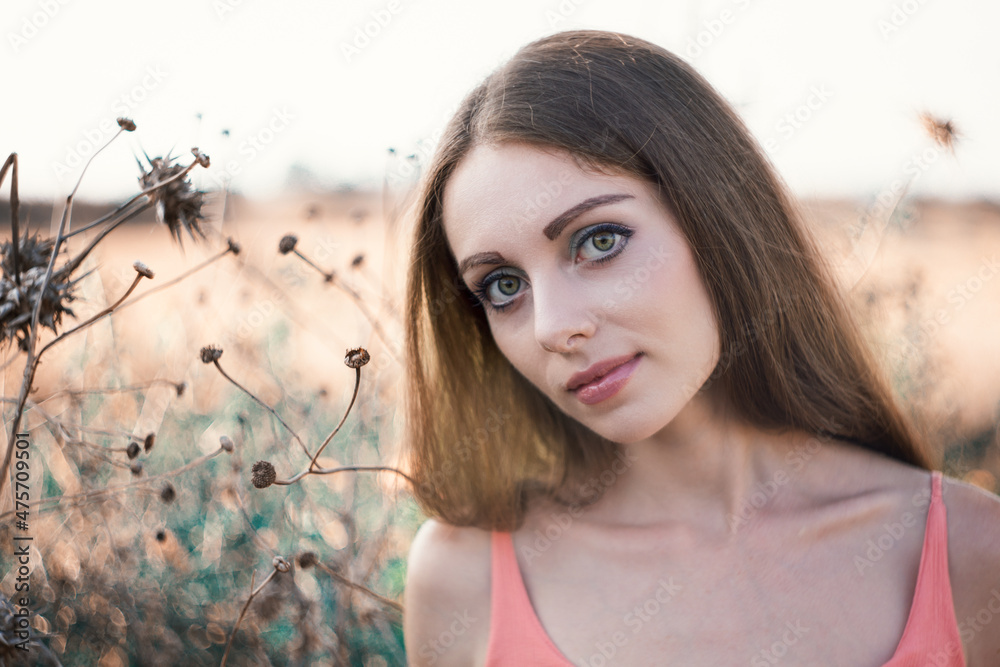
{"points": [[147, 575]]}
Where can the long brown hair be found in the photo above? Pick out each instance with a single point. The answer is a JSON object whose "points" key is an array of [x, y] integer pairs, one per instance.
{"points": [[792, 353]]}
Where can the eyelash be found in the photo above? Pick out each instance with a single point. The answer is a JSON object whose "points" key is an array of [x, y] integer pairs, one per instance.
{"points": [[481, 287]]}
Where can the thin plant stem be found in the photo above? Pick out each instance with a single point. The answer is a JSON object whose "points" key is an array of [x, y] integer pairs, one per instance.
{"points": [[111, 390], [330, 471], [347, 582], [358, 301], [108, 491], [265, 406], [84, 325], [31, 363], [246, 605], [357, 383], [14, 215], [176, 280], [142, 207]]}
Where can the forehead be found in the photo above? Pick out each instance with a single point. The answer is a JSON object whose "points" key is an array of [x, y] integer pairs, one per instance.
{"points": [[511, 189]]}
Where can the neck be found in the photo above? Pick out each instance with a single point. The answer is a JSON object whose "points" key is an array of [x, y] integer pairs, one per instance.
{"points": [[705, 471]]}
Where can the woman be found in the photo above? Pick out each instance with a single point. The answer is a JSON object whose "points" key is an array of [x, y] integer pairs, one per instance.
{"points": [[642, 419]]}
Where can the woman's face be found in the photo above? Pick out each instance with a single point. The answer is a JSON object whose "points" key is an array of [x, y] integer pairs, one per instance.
{"points": [[575, 269]]}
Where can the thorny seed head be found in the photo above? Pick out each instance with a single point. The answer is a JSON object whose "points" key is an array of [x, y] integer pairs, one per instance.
{"points": [[148, 442], [143, 270], [280, 564], [17, 301], [132, 450], [167, 493], [287, 243], [136, 468], [178, 204], [226, 443], [126, 124], [942, 131], [357, 357], [210, 353], [263, 474], [307, 559], [234, 247]]}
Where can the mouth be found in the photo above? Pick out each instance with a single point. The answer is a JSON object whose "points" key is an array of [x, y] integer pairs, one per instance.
{"points": [[597, 371]]}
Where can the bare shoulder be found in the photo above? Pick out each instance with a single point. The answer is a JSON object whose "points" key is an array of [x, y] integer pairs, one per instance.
{"points": [[447, 595], [974, 567]]}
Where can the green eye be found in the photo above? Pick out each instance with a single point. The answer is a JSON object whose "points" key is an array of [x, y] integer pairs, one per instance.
{"points": [[604, 241], [508, 285]]}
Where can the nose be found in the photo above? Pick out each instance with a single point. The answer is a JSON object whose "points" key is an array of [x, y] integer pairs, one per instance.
{"points": [[564, 317]]}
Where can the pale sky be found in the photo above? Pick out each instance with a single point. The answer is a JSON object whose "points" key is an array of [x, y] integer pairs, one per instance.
{"points": [[300, 82]]}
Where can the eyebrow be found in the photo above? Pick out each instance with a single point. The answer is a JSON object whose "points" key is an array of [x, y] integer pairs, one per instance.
{"points": [[551, 231]]}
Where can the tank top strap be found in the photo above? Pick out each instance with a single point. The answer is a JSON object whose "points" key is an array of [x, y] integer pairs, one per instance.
{"points": [[932, 628], [516, 636]]}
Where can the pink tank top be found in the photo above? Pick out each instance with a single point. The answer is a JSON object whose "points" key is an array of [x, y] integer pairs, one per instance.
{"points": [[931, 635]]}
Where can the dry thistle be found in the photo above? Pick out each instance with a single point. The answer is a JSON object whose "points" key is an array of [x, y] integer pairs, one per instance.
{"points": [[263, 474], [132, 450], [148, 442], [143, 270], [357, 357], [167, 493], [126, 124], [210, 354], [178, 204], [227, 444], [20, 292], [287, 243], [943, 132]]}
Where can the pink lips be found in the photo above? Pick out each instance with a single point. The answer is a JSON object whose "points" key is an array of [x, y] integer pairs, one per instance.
{"points": [[607, 379]]}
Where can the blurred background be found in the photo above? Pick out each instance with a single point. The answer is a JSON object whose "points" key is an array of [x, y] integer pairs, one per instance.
{"points": [[319, 118]]}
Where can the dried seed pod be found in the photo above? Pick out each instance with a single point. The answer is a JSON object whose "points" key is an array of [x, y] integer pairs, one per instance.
{"points": [[167, 493], [136, 468], [132, 450], [148, 442], [143, 270], [210, 353], [234, 247], [161, 535], [287, 243], [357, 357], [180, 387], [226, 443], [263, 474], [126, 124], [280, 564]]}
